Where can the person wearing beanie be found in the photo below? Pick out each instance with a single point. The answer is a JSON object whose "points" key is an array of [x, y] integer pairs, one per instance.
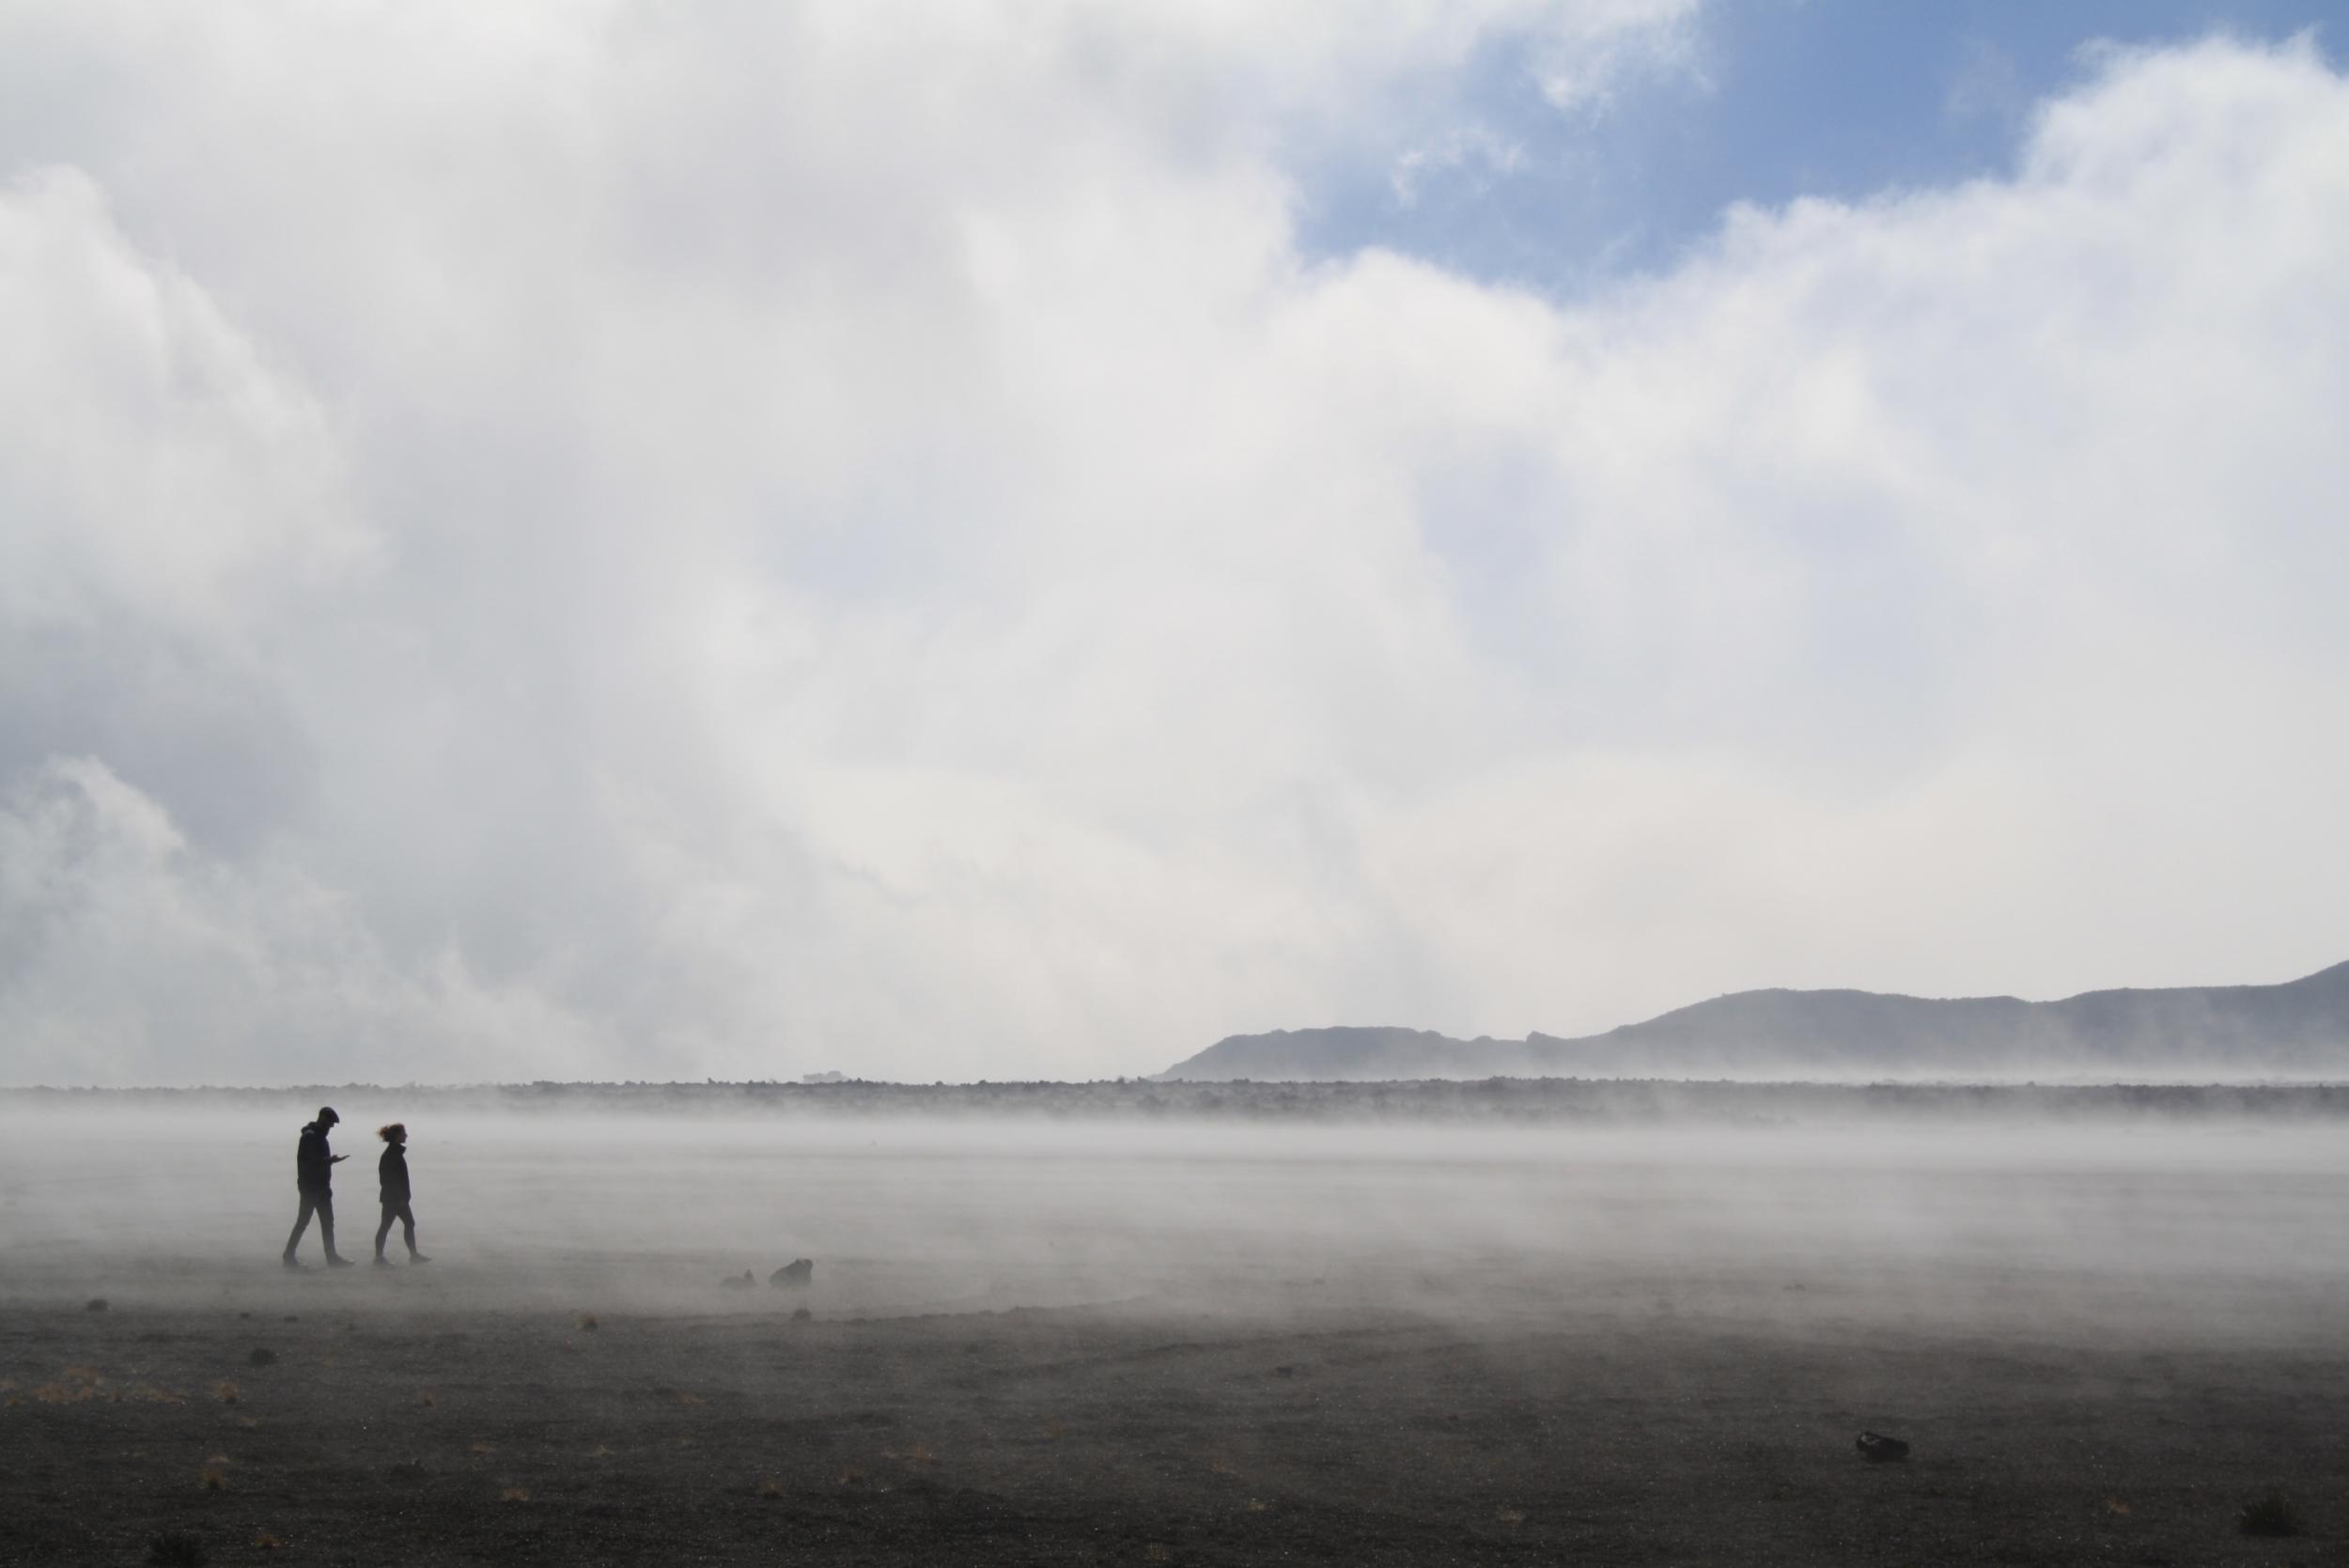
{"points": [[314, 1176]]}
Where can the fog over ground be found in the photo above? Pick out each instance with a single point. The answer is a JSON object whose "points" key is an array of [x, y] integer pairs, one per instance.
{"points": [[2215, 1229], [598, 540]]}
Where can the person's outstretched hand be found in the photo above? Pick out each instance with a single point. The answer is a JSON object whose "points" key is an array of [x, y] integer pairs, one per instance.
{"points": [[338, 1159]]}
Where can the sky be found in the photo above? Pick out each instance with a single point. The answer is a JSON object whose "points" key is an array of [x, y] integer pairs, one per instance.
{"points": [[1010, 541]]}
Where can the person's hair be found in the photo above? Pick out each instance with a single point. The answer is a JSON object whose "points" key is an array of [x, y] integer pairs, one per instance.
{"points": [[394, 1132]]}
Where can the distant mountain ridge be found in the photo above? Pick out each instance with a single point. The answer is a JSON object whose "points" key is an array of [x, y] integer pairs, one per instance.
{"points": [[2300, 1029]]}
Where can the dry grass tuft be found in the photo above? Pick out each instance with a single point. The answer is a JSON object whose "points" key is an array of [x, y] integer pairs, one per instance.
{"points": [[82, 1374], [769, 1487], [428, 1399], [482, 1447], [1511, 1515], [1156, 1553], [1257, 1505], [214, 1479], [225, 1391], [587, 1322], [684, 1398], [852, 1476], [269, 1542], [513, 1494], [2115, 1506]]}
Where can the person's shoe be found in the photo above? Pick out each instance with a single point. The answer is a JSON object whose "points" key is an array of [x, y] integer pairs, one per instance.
{"points": [[418, 1257], [290, 1261], [382, 1262], [339, 1262]]}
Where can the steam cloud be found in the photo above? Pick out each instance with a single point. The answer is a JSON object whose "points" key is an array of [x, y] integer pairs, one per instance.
{"points": [[562, 542]]}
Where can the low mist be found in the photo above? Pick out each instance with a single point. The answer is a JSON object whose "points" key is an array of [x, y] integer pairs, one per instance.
{"points": [[2209, 1226]]}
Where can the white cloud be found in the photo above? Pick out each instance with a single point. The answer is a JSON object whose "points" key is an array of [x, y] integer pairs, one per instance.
{"points": [[818, 542], [1478, 148], [155, 468], [127, 956], [1582, 62]]}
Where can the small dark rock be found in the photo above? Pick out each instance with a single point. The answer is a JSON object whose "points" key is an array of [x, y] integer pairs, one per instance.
{"points": [[177, 1548], [262, 1357], [1875, 1446], [95, 1304], [798, 1272], [741, 1282]]}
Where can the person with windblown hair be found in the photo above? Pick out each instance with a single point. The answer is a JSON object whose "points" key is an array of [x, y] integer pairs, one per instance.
{"points": [[393, 1171]]}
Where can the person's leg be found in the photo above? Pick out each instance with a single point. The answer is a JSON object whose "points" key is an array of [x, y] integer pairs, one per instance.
{"points": [[408, 1231], [326, 1226], [390, 1210], [302, 1223]]}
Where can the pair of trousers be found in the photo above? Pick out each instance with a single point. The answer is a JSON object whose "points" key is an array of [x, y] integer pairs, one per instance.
{"points": [[406, 1217], [321, 1204]]}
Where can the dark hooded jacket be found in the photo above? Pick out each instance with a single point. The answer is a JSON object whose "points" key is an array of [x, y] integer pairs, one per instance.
{"points": [[314, 1167], [392, 1169]]}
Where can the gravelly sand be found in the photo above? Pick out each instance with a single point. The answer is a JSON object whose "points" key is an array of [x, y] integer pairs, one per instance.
{"points": [[1110, 1351]]}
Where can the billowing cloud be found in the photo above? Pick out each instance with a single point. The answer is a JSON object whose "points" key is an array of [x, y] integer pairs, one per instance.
{"points": [[598, 540]]}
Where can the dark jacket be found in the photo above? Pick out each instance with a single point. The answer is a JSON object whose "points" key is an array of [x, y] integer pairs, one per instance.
{"points": [[314, 1167], [393, 1171]]}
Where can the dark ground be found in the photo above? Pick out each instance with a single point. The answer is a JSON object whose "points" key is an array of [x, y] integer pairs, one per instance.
{"points": [[1624, 1430], [1139, 1343]]}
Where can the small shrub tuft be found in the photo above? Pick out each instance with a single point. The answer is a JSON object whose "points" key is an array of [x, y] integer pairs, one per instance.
{"points": [[2271, 1514], [261, 1357]]}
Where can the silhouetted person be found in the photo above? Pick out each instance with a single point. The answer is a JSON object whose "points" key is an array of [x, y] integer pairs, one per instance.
{"points": [[314, 1173], [393, 1171]]}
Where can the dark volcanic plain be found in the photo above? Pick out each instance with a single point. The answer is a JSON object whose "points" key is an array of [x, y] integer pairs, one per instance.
{"points": [[1147, 1342]]}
